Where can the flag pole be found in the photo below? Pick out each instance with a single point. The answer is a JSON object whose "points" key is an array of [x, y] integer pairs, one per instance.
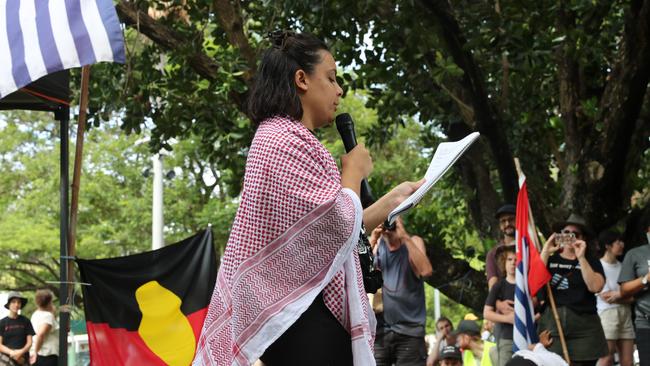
{"points": [[549, 292], [76, 178]]}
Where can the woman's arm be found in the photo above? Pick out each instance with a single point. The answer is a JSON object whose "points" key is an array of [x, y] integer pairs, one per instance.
{"points": [[594, 280], [378, 211], [40, 336]]}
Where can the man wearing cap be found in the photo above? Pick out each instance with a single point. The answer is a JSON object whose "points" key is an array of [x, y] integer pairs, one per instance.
{"points": [[476, 352], [401, 325], [15, 332], [450, 356], [506, 217]]}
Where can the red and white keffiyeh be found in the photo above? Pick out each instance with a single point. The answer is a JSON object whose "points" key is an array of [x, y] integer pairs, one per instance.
{"points": [[294, 235]]}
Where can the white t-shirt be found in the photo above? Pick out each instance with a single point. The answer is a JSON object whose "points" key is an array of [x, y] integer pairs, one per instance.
{"points": [[541, 356], [612, 271], [50, 344]]}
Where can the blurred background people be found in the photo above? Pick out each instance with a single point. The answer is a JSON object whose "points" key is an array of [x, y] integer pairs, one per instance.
{"points": [[15, 332], [506, 217], [475, 350], [537, 354], [444, 338], [576, 277], [614, 310], [634, 280], [402, 259], [45, 350], [450, 356], [503, 290]]}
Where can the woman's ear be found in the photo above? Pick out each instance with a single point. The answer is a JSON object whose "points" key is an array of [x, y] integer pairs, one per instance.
{"points": [[300, 78]]}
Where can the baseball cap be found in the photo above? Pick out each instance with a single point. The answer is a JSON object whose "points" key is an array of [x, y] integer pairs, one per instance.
{"points": [[450, 352], [506, 209], [467, 327]]}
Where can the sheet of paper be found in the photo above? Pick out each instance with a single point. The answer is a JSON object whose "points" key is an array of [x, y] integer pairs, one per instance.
{"points": [[444, 157]]}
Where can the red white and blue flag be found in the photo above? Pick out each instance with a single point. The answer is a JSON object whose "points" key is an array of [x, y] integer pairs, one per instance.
{"points": [[39, 37], [531, 273]]}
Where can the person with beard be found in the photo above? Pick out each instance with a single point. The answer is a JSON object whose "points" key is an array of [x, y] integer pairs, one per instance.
{"points": [[506, 216]]}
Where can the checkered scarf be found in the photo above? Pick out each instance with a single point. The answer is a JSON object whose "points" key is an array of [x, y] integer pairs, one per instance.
{"points": [[294, 236]]}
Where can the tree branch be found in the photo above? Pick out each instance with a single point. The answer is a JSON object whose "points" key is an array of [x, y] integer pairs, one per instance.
{"points": [[166, 38], [230, 18], [472, 82], [616, 150]]}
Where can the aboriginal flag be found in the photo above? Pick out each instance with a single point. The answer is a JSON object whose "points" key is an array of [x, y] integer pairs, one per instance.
{"points": [[148, 308]]}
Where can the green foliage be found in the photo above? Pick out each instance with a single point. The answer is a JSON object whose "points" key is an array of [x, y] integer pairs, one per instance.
{"points": [[114, 216]]}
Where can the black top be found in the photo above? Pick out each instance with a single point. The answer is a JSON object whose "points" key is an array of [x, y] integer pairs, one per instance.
{"points": [[502, 290], [14, 332], [569, 287]]}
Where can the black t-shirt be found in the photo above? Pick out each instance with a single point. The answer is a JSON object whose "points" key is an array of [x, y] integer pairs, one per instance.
{"points": [[569, 287], [14, 332], [502, 290]]}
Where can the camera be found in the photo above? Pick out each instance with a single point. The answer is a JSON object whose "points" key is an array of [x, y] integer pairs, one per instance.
{"points": [[564, 239], [372, 278]]}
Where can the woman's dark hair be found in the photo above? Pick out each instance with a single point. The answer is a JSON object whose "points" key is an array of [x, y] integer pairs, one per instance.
{"points": [[274, 90], [606, 238]]}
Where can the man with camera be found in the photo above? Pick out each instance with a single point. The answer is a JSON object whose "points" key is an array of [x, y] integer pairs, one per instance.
{"points": [[400, 324]]}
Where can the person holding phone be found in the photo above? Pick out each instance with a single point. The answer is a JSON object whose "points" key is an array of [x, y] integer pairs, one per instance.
{"points": [[577, 276]]}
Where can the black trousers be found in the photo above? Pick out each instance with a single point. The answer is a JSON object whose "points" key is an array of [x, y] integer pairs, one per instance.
{"points": [[316, 339]]}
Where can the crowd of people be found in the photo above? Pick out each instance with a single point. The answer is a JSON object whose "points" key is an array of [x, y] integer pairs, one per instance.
{"points": [[29, 342], [593, 292], [290, 289]]}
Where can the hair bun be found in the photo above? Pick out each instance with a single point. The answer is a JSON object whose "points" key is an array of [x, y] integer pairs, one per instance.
{"points": [[279, 38]]}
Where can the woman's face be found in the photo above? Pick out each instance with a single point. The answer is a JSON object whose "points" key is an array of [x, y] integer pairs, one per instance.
{"points": [[320, 93], [616, 248]]}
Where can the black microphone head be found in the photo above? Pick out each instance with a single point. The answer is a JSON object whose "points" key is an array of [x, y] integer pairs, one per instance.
{"points": [[344, 121]]}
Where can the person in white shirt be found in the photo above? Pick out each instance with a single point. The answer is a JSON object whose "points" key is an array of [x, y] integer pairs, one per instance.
{"points": [[537, 354], [45, 348], [614, 310]]}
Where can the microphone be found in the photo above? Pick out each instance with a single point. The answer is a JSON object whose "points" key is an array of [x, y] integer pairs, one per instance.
{"points": [[345, 126]]}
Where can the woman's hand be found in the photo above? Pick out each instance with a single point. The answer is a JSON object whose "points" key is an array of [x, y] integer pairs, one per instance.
{"points": [[357, 161], [404, 190], [377, 212], [550, 247], [580, 248]]}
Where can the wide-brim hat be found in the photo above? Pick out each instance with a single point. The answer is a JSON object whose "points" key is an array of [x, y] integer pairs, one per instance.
{"points": [[508, 208], [16, 295], [579, 221]]}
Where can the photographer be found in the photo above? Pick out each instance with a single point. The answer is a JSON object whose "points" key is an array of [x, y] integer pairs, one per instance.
{"points": [[576, 277], [400, 327]]}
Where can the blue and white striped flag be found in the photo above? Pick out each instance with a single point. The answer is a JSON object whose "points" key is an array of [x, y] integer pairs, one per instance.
{"points": [[530, 274], [38, 37]]}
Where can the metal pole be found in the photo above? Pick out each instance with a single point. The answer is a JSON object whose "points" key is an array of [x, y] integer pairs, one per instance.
{"points": [[157, 240], [436, 303], [63, 115]]}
